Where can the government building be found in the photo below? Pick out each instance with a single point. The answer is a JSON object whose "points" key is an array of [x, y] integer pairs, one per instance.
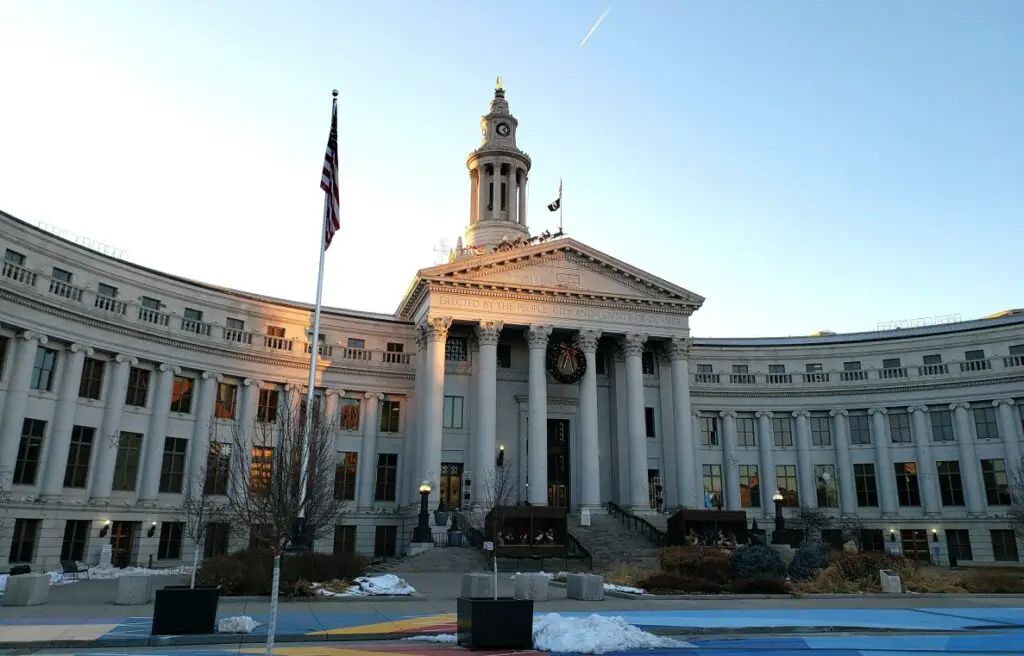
{"points": [[572, 371]]}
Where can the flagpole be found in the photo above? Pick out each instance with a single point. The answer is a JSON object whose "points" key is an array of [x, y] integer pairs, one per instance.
{"points": [[561, 204]]}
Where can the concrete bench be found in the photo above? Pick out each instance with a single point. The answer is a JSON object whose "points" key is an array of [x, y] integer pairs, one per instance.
{"points": [[891, 582], [478, 586], [134, 590], [585, 587], [26, 590], [531, 586]]}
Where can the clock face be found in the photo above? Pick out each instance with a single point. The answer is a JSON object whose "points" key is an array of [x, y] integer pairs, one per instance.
{"points": [[503, 129]]}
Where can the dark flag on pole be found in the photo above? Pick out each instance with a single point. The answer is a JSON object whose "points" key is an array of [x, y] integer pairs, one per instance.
{"points": [[556, 204], [329, 180]]}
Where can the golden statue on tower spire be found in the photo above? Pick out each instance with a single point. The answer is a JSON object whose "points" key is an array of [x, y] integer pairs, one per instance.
{"points": [[498, 83]]}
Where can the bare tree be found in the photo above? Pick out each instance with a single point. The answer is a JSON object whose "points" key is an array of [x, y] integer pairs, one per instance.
{"points": [[1016, 490], [204, 500], [812, 521]]}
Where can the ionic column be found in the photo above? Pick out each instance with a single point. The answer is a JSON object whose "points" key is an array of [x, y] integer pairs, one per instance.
{"points": [[433, 401], [696, 468], [537, 459], [481, 194], [485, 449], [414, 473], [730, 464], [844, 470], [1008, 425], [153, 444], [248, 411], [16, 401], [927, 480], [632, 346], [885, 476], [496, 180], [513, 195], [804, 469], [765, 441], [368, 452], [63, 421], [331, 400], [590, 460], [106, 454], [970, 468], [522, 199], [295, 396], [682, 423], [473, 202], [204, 428]]}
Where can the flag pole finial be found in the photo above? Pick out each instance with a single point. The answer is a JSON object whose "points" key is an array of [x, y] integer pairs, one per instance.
{"points": [[334, 93]]}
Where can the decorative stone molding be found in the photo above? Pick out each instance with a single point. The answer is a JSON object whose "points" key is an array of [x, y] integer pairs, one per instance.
{"points": [[488, 332], [764, 413], [727, 413], [420, 334], [917, 408], [839, 413], [679, 348], [340, 393], [30, 336], [121, 358], [207, 375], [374, 395], [75, 348], [294, 387], [250, 382], [878, 411], [586, 339], [436, 328], [697, 414], [999, 402], [633, 344], [802, 413], [164, 368], [958, 406], [538, 336]]}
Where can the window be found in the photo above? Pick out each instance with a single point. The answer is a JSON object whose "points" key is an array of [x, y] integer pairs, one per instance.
{"points": [[899, 426], [181, 394], [266, 407], [812, 367], [712, 476], [30, 450], [860, 427], [345, 476], [138, 387], [260, 470], [504, 356], [852, 371], [932, 359], [172, 471], [647, 363], [384, 541], [350, 414], [72, 546], [14, 257], [825, 486], [218, 468], [986, 423], [389, 416], [782, 427], [151, 303], [745, 435], [169, 547], [23, 542], [865, 485], [997, 489], [1004, 545], [105, 290], [958, 544], [76, 472], [234, 324], [821, 429], [951, 487], [456, 349], [601, 362], [891, 363], [43, 368], [60, 275], [452, 412], [275, 332], [906, 483], [344, 539], [942, 426], [91, 385], [356, 343], [193, 315], [649, 422], [218, 537], [387, 477], [708, 430], [126, 465], [750, 487], [227, 397], [785, 478]]}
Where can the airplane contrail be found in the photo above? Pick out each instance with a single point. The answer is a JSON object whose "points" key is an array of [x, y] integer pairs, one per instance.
{"points": [[594, 28]]}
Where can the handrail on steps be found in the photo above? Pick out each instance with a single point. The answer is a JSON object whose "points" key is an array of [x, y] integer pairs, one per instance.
{"points": [[637, 524]]}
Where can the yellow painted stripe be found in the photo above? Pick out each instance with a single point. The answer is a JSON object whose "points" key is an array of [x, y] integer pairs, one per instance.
{"points": [[393, 626]]}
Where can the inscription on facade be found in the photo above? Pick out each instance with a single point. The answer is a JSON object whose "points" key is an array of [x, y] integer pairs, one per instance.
{"points": [[558, 311]]}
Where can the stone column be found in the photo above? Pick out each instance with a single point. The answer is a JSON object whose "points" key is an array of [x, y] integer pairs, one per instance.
{"points": [[415, 472], [522, 199], [885, 477], [765, 442], [433, 401], [970, 468], [153, 444], [513, 195], [480, 185], [473, 203], [729, 462], [686, 484], [368, 452], [537, 459], [485, 448], [203, 429], [926, 475], [696, 467], [106, 453], [496, 180], [16, 401], [1008, 430], [632, 346], [844, 469], [63, 422], [331, 400], [590, 459], [806, 490], [248, 410]]}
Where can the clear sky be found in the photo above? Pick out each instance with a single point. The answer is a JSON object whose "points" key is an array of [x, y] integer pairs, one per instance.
{"points": [[804, 165]]}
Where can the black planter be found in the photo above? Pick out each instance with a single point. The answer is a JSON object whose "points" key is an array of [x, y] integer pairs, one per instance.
{"points": [[180, 610], [495, 623]]}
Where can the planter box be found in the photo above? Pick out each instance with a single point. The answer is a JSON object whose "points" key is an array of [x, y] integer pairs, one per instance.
{"points": [[180, 610], [495, 623], [454, 538], [440, 518]]}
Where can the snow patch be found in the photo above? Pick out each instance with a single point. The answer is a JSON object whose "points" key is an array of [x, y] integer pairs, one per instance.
{"points": [[238, 624], [560, 576], [382, 585], [612, 587], [596, 634], [443, 638], [107, 572]]}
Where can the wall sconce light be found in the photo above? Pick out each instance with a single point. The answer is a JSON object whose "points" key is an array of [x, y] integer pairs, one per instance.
{"points": [[935, 535], [892, 535], [500, 462], [151, 531], [105, 529]]}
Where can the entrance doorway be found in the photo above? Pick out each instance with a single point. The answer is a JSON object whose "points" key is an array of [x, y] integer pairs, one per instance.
{"points": [[122, 543], [558, 463], [451, 485]]}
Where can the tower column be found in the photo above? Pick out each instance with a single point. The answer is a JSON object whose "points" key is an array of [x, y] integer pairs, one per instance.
{"points": [[473, 204], [496, 194], [537, 445], [590, 485], [522, 200], [513, 193], [479, 185]]}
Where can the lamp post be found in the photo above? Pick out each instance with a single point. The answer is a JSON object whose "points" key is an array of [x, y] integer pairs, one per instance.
{"points": [[422, 531], [779, 520]]}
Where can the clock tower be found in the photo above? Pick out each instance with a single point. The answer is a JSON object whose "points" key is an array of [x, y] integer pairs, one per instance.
{"points": [[498, 173]]}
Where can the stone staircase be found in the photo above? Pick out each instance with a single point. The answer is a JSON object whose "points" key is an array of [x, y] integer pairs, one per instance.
{"points": [[610, 542], [438, 559]]}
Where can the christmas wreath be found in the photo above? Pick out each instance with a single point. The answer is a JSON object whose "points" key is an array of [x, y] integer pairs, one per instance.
{"points": [[566, 363]]}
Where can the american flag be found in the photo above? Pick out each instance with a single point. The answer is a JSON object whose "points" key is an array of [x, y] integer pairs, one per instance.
{"points": [[329, 181]]}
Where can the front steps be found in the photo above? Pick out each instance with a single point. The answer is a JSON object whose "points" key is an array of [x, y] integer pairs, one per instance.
{"points": [[610, 542], [440, 559]]}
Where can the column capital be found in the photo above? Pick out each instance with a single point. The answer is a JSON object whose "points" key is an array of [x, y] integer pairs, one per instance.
{"points": [[420, 335], [959, 406], [75, 348], [374, 395], [801, 413], [839, 413], [30, 336], [334, 392], [252, 382], [208, 375], [164, 368], [764, 413], [878, 411], [488, 332], [679, 348], [294, 387], [538, 336], [633, 344], [1007, 402], [917, 408], [436, 328], [727, 413], [121, 358], [586, 339]]}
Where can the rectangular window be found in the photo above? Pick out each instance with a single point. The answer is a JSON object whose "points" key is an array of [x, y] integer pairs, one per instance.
{"points": [[708, 430], [951, 487], [105, 290], [452, 417], [649, 422], [958, 544], [389, 416], [260, 470], [172, 470], [14, 257], [266, 408], [986, 423], [899, 427], [72, 546], [350, 414], [138, 387], [750, 487], [218, 469], [344, 539], [1004, 545], [891, 363], [126, 465], [865, 484], [218, 538], [942, 426], [782, 427], [43, 369], [825, 486], [387, 477], [355, 343], [91, 384], [997, 488], [712, 478], [169, 547], [785, 478], [456, 349], [745, 435], [907, 490], [821, 429], [345, 476], [181, 394], [193, 315], [860, 427], [236, 325], [275, 332], [76, 471], [151, 303], [227, 398], [30, 450], [385, 540], [504, 356], [647, 363], [23, 542]]}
